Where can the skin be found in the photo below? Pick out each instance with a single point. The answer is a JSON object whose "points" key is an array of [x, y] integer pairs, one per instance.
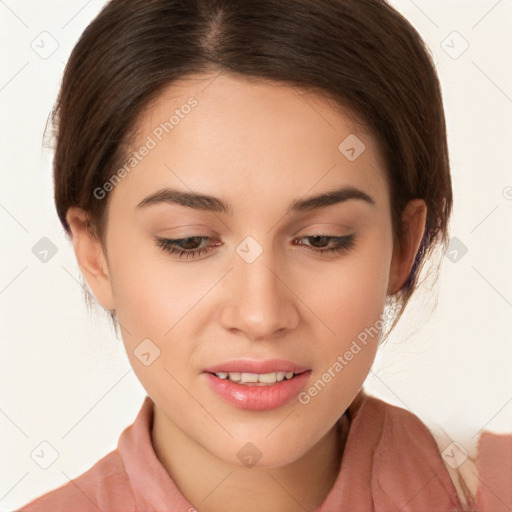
{"points": [[259, 146]]}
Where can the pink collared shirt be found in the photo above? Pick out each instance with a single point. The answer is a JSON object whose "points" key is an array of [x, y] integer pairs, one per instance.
{"points": [[390, 463]]}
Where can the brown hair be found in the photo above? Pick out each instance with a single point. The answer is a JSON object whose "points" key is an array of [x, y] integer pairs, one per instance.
{"points": [[360, 53]]}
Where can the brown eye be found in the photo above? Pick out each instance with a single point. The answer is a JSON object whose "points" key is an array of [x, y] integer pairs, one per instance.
{"points": [[188, 247], [326, 245]]}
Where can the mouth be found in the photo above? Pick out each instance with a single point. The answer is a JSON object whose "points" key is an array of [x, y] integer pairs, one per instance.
{"points": [[257, 385], [257, 379]]}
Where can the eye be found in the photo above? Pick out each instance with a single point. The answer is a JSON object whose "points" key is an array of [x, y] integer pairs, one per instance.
{"points": [[193, 246], [185, 247], [326, 245]]}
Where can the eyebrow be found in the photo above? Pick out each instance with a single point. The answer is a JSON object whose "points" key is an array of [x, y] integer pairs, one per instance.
{"points": [[214, 204]]}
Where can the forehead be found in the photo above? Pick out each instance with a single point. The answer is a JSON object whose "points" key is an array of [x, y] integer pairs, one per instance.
{"points": [[220, 134]]}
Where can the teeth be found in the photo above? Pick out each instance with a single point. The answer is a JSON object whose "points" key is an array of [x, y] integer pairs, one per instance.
{"points": [[267, 378], [255, 378], [248, 377]]}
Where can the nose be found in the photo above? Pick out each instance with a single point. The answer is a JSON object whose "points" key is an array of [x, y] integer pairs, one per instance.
{"points": [[259, 302]]}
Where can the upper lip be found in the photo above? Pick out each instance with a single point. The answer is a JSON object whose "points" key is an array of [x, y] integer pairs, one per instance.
{"points": [[253, 366]]}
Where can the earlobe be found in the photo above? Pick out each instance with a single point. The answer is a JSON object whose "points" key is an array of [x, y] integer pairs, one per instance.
{"points": [[90, 257], [413, 228]]}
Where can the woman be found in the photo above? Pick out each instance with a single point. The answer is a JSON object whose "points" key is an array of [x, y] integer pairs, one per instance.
{"points": [[252, 189]]}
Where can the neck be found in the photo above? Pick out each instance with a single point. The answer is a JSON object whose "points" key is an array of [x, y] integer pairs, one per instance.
{"points": [[213, 485]]}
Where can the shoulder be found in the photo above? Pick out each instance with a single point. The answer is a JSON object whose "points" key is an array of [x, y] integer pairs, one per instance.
{"points": [[103, 486], [494, 466], [483, 481], [398, 424], [408, 471], [402, 426]]}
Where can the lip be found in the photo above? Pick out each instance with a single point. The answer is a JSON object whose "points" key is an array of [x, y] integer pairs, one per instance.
{"points": [[252, 397], [254, 366]]}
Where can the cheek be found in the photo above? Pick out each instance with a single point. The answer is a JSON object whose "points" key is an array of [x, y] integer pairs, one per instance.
{"points": [[350, 307], [153, 301], [151, 294], [349, 296]]}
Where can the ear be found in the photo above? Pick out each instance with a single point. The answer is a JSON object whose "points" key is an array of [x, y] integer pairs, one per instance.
{"points": [[90, 256], [413, 227]]}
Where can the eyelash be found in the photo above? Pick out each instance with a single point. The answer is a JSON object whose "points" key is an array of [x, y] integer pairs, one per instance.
{"points": [[344, 243]]}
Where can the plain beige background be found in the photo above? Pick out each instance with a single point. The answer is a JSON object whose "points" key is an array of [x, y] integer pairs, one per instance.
{"points": [[64, 377]]}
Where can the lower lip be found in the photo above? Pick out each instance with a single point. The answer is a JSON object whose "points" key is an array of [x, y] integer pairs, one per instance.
{"points": [[258, 398]]}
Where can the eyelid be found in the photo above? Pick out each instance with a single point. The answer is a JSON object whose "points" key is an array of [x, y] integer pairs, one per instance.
{"points": [[343, 244], [321, 226]]}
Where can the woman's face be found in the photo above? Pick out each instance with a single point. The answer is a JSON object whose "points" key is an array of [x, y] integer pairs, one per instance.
{"points": [[265, 280]]}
